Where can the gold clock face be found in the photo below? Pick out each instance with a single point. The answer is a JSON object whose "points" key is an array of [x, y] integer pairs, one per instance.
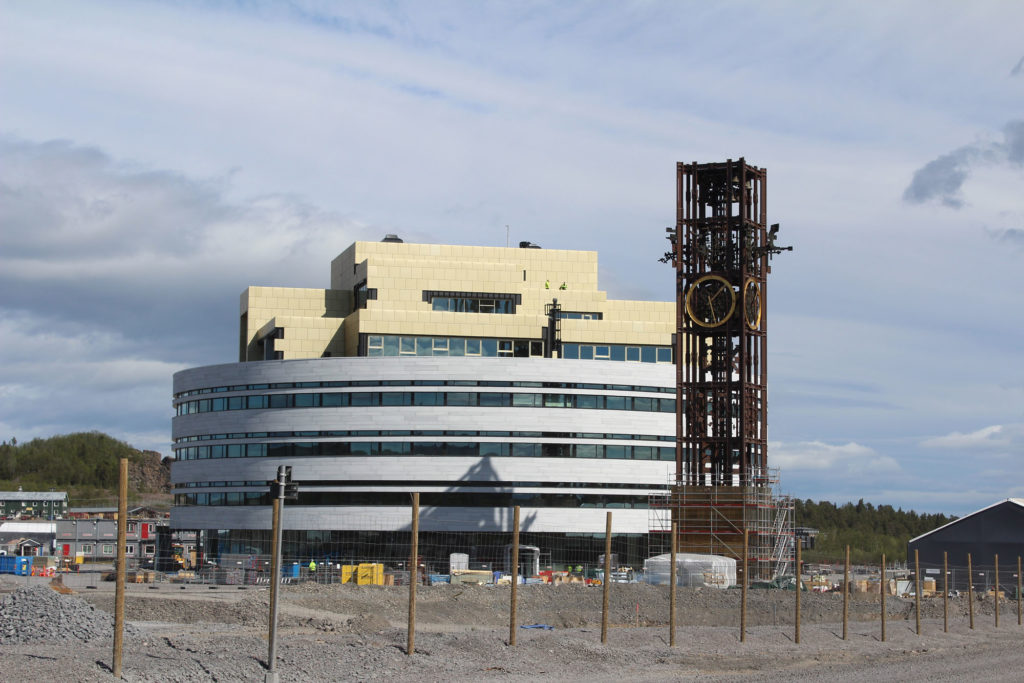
{"points": [[710, 301], [752, 304]]}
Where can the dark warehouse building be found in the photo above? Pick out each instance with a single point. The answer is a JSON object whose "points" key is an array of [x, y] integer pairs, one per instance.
{"points": [[995, 530]]}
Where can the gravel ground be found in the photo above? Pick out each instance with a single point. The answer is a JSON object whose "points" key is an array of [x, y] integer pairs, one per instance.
{"points": [[358, 633]]}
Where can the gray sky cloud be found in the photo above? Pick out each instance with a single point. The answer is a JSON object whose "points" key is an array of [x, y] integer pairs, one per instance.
{"points": [[943, 177], [157, 159]]}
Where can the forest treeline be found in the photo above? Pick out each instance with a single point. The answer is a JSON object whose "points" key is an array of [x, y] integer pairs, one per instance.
{"points": [[85, 464], [867, 529]]}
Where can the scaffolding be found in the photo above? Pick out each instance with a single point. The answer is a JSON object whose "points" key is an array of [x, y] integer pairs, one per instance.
{"points": [[711, 520]]}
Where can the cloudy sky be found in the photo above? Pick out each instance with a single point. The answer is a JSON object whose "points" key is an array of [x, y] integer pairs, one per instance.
{"points": [[157, 158]]}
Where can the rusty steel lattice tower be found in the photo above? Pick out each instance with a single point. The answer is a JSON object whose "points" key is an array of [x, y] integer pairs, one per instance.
{"points": [[721, 247]]}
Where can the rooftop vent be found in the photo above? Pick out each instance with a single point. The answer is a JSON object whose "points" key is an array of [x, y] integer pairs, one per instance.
{"points": [[392, 238], [528, 245]]}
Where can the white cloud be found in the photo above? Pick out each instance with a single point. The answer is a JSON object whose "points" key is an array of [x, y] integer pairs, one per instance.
{"points": [[836, 459], [1006, 438]]}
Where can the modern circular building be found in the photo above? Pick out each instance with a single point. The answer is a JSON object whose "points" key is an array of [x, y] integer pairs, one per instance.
{"points": [[565, 440], [480, 378]]}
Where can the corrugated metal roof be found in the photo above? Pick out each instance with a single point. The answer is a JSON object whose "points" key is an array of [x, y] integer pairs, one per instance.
{"points": [[33, 495]]}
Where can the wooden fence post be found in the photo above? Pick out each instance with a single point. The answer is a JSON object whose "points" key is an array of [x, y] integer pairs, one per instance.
{"points": [[672, 590], [607, 583], [846, 592], [414, 551], [122, 560], [945, 592], [917, 592], [799, 586], [970, 591], [743, 597], [515, 578], [996, 594], [883, 586]]}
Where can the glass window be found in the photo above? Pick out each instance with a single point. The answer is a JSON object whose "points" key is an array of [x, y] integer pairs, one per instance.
{"points": [[493, 450], [456, 347], [488, 347], [615, 452], [521, 349], [231, 498], [236, 403], [504, 347], [363, 398], [571, 351], [407, 346], [643, 403], [395, 398], [586, 352], [305, 400], [362, 448], [667, 405], [427, 398], [440, 346], [524, 450], [665, 453], [618, 352], [280, 400], [615, 402], [643, 452], [460, 398], [633, 354], [589, 401], [664, 355], [108, 549], [601, 353], [647, 354], [424, 346], [555, 401], [333, 400], [495, 399], [390, 346], [525, 400], [587, 450], [473, 347], [537, 349], [463, 448], [235, 450]]}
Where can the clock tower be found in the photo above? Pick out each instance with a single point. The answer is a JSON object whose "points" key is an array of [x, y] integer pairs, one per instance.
{"points": [[721, 247]]}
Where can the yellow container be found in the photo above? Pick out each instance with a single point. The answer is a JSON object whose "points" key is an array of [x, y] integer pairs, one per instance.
{"points": [[348, 573], [369, 574]]}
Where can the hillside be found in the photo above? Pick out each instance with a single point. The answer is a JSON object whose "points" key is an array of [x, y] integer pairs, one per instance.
{"points": [[868, 530], [85, 465]]}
